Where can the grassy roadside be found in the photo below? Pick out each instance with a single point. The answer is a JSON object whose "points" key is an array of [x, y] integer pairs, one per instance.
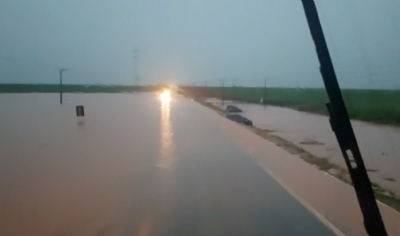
{"points": [[383, 195], [378, 106]]}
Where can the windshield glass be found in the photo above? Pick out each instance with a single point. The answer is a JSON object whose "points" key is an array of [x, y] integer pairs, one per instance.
{"points": [[197, 117]]}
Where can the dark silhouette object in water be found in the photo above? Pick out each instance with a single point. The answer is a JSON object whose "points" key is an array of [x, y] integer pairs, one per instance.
{"points": [[80, 111], [231, 108], [240, 119]]}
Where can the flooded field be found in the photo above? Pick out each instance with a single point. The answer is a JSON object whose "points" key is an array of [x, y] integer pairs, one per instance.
{"points": [[379, 144], [133, 166]]}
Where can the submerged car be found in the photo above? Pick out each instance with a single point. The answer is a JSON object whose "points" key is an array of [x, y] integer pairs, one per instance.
{"points": [[240, 119]]}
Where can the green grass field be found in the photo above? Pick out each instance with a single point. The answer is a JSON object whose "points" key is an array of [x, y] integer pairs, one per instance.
{"points": [[379, 106]]}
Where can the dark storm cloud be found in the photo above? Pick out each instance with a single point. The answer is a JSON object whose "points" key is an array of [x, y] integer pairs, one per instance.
{"points": [[193, 41]]}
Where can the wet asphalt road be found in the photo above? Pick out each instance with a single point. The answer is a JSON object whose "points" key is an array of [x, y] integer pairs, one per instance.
{"points": [[134, 166]]}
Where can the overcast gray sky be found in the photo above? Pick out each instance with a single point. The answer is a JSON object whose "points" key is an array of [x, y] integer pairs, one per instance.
{"points": [[190, 41]]}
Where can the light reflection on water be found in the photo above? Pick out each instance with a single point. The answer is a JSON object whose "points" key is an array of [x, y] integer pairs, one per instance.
{"points": [[166, 156]]}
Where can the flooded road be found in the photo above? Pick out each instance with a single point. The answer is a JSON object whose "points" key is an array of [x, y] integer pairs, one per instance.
{"points": [[133, 166], [379, 144]]}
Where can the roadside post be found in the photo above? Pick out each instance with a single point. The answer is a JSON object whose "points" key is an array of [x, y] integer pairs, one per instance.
{"points": [[61, 85]]}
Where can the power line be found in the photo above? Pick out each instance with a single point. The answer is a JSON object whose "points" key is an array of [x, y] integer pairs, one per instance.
{"points": [[135, 56]]}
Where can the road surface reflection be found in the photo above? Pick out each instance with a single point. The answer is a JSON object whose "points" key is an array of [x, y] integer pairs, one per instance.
{"points": [[165, 159], [156, 168]]}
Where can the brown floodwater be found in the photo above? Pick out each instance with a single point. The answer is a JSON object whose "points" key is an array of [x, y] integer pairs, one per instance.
{"points": [[133, 166], [379, 144]]}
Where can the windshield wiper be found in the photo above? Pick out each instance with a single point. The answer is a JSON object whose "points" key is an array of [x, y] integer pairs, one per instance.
{"points": [[343, 129]]}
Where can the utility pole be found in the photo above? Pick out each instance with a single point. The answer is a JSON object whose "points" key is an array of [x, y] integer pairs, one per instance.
{"points": [[265, 92], [203, 90], [135, 56], [222, 91], [343, 129], [61, 85]]}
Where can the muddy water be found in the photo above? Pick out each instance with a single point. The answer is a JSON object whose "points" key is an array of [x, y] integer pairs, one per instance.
{"points": [[63, 175], [133, 166], [379, 144]]}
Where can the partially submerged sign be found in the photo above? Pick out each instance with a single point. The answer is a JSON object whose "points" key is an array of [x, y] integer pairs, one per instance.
{"points": [[80, 111]]}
